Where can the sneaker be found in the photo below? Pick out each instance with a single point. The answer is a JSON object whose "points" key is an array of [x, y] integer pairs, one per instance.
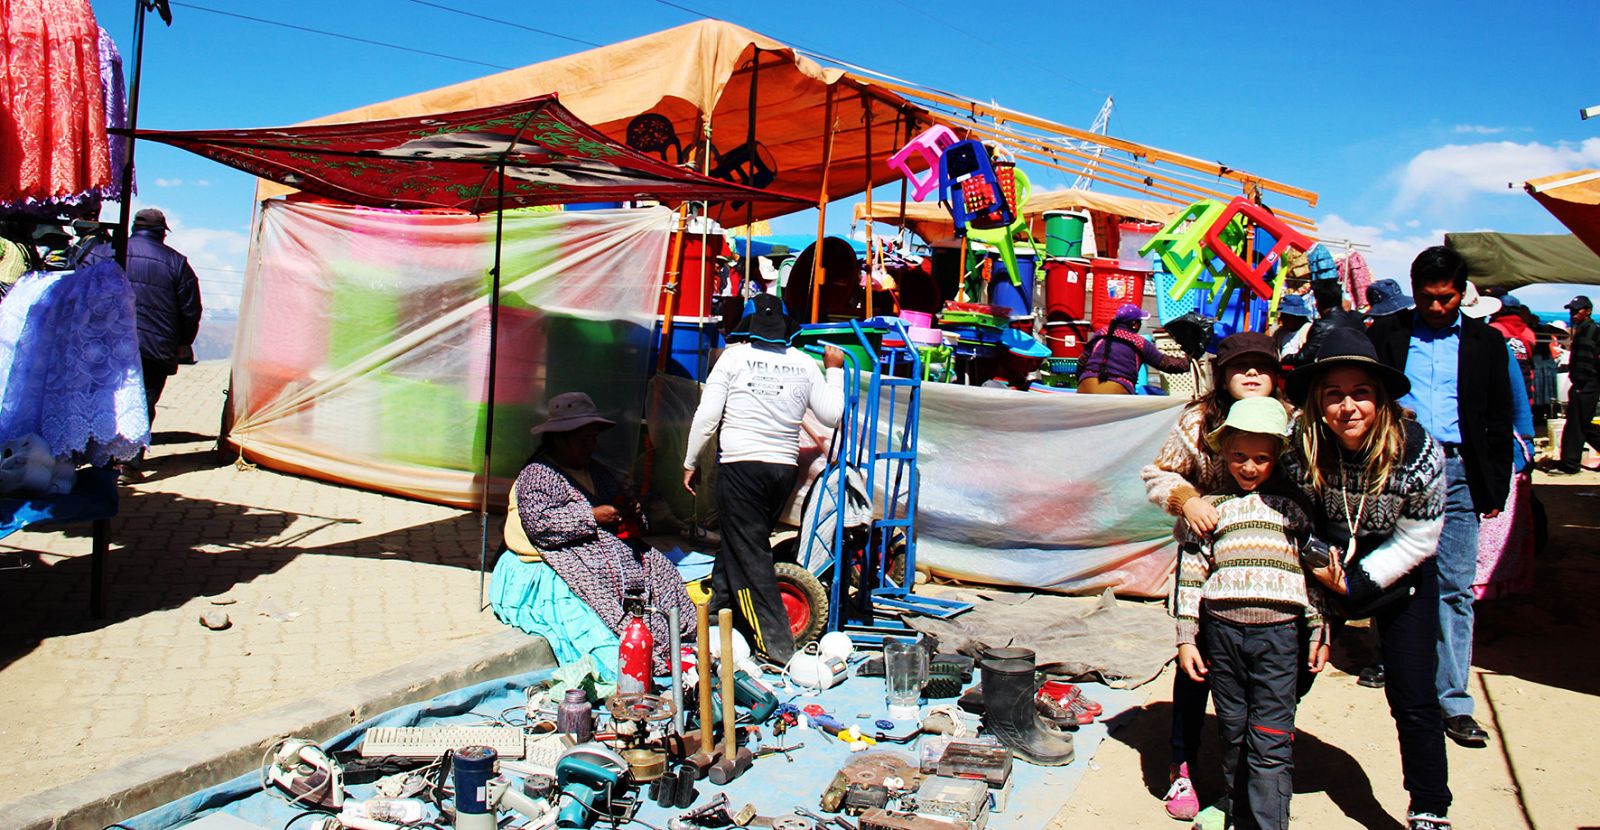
{"points": [[1213, 818], [1182, 803], [1372, 677], [1426, 821]]}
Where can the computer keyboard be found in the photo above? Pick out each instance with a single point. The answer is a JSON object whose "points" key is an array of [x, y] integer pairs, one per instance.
{"points": [[433, 741]]}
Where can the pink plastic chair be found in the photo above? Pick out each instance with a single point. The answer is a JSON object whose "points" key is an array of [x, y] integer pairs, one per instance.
{"points": [[928, 146]]}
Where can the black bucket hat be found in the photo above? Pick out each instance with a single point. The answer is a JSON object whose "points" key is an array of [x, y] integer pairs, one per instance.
{"points": [[569, 411], [764, 320], [1345, 346]]}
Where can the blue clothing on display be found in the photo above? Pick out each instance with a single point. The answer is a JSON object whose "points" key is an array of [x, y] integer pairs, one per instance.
{"points": [[1432, 365], [69, 364], [1521, 415]]}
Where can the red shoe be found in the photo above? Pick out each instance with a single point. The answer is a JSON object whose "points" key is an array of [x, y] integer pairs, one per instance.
{"points": [[1064, 693]]}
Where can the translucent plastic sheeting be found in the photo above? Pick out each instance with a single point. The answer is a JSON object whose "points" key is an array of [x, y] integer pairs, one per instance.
{"points": [[363, 345], [1018, 488], [1025, 489]]}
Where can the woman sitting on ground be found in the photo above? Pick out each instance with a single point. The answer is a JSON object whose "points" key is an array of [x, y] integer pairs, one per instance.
{"points": [[1112, 358], [568, 512], [1376, 481]]}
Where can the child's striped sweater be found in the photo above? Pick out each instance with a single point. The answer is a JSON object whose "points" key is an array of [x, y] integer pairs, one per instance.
{"points": [[1249, 571]]}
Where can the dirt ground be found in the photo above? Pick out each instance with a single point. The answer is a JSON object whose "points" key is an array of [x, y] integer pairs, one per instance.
{"points": [[1537, 691]]}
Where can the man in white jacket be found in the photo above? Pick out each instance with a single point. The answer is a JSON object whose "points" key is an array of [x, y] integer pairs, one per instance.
{"points": [[758, 393]]}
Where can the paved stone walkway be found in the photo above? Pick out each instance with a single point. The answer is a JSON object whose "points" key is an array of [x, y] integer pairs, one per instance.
{"points": [[327, 585]]}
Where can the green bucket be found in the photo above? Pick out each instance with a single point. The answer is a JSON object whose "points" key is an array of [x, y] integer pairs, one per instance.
{"points": [[1063, 232]]}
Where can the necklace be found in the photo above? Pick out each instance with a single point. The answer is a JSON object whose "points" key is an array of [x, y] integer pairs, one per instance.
{"points": [[1351, 523]]}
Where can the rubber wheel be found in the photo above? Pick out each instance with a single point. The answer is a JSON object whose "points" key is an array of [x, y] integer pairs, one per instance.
{"points": [[804, 599]]}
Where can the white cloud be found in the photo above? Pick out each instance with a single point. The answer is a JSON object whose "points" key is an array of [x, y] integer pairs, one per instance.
{"points": [[1391, 254], [1477, 129], [1456, 171], [168, 182], [202, 182]]}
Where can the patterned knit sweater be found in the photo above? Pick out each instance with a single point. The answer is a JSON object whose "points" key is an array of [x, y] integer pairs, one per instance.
{"points": [[1399, 526], [1249, 572]]}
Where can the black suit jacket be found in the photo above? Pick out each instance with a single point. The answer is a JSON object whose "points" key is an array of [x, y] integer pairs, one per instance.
{"points": [[1483, 398]]}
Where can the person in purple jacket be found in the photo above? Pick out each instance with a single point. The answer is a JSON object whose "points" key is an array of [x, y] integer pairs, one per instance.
{"points": [[1113, 355]]}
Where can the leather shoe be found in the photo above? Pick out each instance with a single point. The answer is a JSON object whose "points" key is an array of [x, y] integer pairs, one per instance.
{"points": [[1465, 731]]}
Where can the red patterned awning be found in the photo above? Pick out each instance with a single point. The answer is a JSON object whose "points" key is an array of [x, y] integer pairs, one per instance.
{"points": [[450, 160]]}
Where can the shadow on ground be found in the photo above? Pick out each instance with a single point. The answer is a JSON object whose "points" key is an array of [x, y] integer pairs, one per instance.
{"points": [[1546, 635], [1318, 766]]}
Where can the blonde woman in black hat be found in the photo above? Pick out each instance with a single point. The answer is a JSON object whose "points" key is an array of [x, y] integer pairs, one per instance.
{"points": [[569, 513], [1376, 481]]}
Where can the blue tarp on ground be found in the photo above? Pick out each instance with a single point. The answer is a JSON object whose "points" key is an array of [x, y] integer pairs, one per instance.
{"points": [[774, 785]]}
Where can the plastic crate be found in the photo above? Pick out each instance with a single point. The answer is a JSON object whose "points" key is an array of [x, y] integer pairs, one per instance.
{"points": [[1168, 309], [1177, 384]]}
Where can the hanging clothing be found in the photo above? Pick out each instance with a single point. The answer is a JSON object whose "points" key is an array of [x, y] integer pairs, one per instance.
{"points": [[69, 364], [1355, 276], [50, 86], [116, 109]]}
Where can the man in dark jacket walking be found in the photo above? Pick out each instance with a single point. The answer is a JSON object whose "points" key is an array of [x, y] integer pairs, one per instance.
{"points": [[1461, 393], [167, 299], [1583, 368]]}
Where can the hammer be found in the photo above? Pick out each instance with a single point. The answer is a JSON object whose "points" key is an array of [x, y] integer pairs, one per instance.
{"points": [[707, 754], [735, 759]]}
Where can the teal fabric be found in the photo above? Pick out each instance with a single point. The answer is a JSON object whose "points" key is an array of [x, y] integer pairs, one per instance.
{"points": [[533, 598]]}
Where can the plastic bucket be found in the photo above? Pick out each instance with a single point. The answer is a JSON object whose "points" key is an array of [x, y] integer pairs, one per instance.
{"points": [[1063, 232], [1114, 287], [1065, 338], [695, 287], [1024, 324], [917, 319], [1002, 292], [1131, 236], [1066, 284], [689, 353]]}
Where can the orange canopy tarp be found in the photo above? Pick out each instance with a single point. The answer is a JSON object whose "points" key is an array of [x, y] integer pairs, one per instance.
{"points": [[1574, 198], [701, 67]]}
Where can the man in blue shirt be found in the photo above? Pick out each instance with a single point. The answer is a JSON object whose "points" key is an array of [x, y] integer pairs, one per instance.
{"points": [[1461, 393]]}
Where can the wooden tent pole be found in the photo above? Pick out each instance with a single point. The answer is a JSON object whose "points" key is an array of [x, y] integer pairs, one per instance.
{"points": [[674, 276], [866, 105], [822, 208], [1139, 150]]}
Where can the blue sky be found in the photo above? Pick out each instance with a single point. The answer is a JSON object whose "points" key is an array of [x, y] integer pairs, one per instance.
{"points": [[1409, 119]]}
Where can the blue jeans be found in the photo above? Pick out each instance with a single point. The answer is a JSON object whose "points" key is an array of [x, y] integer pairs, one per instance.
{"points": [[1458, 567]]}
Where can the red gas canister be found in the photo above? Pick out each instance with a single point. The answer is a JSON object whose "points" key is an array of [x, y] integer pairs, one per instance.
{"points": [[636, 648]]}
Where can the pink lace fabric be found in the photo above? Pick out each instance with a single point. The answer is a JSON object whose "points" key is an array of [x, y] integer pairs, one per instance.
{"points": [[50, 89], [1505, 545], [1355, 275]]}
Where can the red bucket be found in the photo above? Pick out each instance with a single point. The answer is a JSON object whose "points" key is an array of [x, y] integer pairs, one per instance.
{"points": [[1065, 288], [1065, 337], [1114, 287], [695, 288]]}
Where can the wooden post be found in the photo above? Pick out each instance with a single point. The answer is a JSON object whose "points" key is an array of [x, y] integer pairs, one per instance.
{"points": [[674, 275], [822, 208], [866, 104]]}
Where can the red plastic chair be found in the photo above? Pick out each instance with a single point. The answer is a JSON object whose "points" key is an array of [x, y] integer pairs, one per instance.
{"points": [[1284, 238]]}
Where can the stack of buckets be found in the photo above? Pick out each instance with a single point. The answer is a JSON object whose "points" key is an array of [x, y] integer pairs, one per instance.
{"points": [[1066, 283], [695, 331]]}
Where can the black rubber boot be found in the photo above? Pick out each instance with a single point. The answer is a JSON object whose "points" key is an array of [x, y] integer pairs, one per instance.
{"points": [[1009, 687]]}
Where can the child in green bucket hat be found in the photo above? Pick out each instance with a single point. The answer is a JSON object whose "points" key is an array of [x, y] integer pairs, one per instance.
{"points": [[1246, 580]]}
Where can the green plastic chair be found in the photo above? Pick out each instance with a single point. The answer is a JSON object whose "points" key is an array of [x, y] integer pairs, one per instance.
{"points": [[1003, 238], [1182, 247]]}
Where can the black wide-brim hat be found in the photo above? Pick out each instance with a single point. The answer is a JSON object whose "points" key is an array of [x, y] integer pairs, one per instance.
{"points": [[1345, 346]]}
